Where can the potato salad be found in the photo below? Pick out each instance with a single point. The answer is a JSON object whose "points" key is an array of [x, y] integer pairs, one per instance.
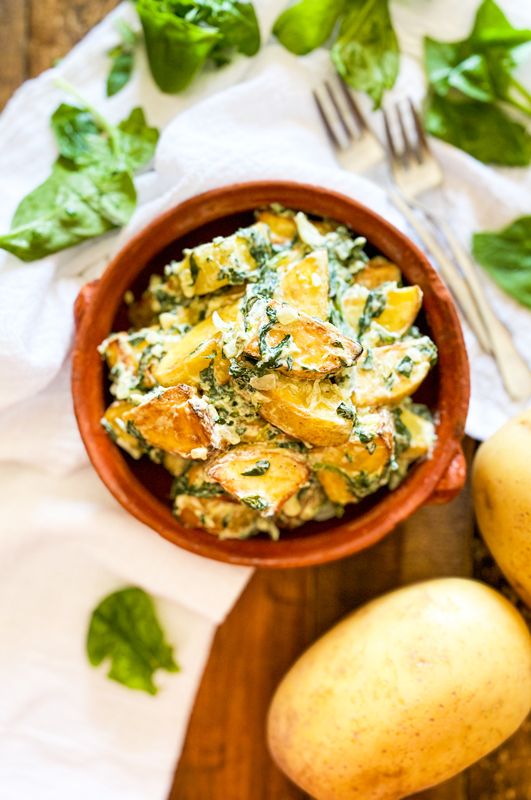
{"points": [[271, 373]]}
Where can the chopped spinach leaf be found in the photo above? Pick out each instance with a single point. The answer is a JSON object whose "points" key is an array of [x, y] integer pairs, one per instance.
{"points": [[345, 411], [260, 468], [256, 502]]}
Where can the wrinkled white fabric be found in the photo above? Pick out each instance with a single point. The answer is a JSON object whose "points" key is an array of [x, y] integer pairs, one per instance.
{"points": [[66, 731]]}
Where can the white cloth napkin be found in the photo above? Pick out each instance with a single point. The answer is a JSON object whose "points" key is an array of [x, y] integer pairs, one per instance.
{"points": [[65, 730]]}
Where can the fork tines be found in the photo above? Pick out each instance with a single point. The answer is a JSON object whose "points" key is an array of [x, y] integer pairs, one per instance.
{"points": [[342, 118], [406, 139]]}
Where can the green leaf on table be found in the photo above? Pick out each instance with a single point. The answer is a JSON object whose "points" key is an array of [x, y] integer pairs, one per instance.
{"points": [[124, 628], [479, 69], [506, 256], [181, 37], [137, 140], [70, 207], [366, 53], [90, 189], [307, 24], [122, 58], [480, 129]]}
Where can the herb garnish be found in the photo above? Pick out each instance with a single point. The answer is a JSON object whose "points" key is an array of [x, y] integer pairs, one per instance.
{"points": [[124, 628]]}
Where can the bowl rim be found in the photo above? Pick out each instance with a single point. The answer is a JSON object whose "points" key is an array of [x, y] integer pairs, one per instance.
{"points": [[341, 538]]}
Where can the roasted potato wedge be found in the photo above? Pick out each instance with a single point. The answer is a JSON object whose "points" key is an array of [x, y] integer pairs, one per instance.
{"points": [[309, 503], [115, 425], [393, 372], [308, 410], [187, 356], [377, 271], [351, 472], [421, 431], [304, 284], [391, 308], [220, 516], [291, 342], [260, 475], [283, 228], [223, 262], [178, 422]]}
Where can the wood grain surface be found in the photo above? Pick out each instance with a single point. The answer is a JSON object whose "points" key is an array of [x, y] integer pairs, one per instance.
{"points": [[280, 613]]}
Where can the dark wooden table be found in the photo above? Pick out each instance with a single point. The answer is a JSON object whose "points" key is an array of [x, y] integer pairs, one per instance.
{"points": [[280, 613]]}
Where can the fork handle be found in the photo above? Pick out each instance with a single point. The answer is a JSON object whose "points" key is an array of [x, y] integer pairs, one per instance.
{"points": [[449, 272], [515, 372]]}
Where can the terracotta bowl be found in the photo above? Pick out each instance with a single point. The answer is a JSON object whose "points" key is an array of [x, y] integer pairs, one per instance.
{"points": [[143, 488]]}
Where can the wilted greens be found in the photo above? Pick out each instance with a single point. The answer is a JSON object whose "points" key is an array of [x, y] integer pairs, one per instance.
{"points": [[90, 189], [365, 51], [470, 79], [506, 255], [181, 36], [124, 628]]}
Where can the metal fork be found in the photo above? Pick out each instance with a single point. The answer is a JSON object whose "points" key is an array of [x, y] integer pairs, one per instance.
{"points": [[348, 130], [415, 172], [335, 103]]}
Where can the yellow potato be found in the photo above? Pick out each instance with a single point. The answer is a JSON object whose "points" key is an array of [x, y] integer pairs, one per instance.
{"points": [[222, 262], [312, 349], [220, 516], [115, 425], [283, 228], [355, 469], [304, 284], [307, 410], [378, 270], [395, 313], [393, 372], [501, 480], [187, 356], [176, 421], [406, 692], [260, 475]]}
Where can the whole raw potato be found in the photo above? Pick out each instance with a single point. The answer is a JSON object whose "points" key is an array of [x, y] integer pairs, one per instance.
{"points": [[404, 693], [502, 500]]}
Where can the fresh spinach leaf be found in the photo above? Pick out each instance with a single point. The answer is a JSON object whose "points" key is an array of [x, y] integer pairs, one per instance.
{"points": [[366, 53], [124, 628], [481, 129], [70, 207], [181, 36], [469, 78], [307, 24], [506, 255], [90, 189], [122, 58]]}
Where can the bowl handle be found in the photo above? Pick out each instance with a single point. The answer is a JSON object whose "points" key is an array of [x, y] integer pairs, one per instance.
{"points": [[452, 480], [83, 299]]}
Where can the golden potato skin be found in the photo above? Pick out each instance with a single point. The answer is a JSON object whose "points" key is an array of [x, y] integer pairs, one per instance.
{"points": [[501, 481], [404, 693], [285, 474], [177, 421]]}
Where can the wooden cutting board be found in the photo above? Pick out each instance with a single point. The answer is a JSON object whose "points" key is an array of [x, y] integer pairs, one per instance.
{"points": [[280, 613]]}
